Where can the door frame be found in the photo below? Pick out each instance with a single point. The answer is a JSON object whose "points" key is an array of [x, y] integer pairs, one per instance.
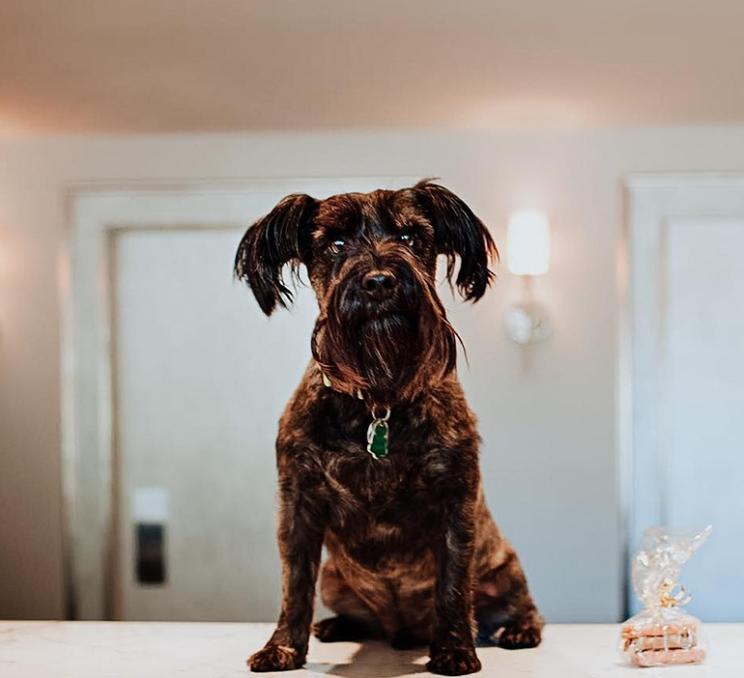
{"points": [[653, 201], [95, 214]]}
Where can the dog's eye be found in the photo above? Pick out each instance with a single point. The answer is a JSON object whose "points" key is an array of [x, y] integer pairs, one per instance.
{"points": [[406, 238], [337, 245]]}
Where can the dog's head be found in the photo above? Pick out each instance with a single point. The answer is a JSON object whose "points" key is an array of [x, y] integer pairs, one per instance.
{"points": [[371, 259]]}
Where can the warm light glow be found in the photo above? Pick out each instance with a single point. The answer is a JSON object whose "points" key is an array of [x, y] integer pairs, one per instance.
{"points": [[528, 243]]}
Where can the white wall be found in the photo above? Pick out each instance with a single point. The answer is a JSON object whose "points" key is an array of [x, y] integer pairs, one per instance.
{"points": [[549, 423]]}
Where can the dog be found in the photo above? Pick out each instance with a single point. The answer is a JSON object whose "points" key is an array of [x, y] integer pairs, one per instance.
{"points": [[377, 450]]}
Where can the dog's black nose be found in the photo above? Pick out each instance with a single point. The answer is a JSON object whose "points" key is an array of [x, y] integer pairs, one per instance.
{"points": [[379, 284]]}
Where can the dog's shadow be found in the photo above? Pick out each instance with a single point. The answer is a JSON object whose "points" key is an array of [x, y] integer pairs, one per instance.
{"points": [[373, 659]]}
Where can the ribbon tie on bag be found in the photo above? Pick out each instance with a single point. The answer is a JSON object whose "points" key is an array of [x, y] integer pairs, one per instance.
{"points": [[672, 594]]}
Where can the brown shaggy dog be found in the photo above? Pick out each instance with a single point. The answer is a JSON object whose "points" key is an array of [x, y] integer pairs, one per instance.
{"points": [[377, 450]]}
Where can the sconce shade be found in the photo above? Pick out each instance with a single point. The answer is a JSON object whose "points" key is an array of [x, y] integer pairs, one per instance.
{"points": [[528, 243]]}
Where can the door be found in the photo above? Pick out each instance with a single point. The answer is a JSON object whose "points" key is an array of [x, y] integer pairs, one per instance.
{"points": [[688, 282], [173, 382]]}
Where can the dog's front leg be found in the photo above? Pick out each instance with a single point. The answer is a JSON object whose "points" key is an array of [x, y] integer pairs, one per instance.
{"points": [[300, 535], [452, 650]]}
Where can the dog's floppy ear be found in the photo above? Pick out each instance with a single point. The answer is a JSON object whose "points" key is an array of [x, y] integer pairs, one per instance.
{"points": [[459, 233], [281, 237]]}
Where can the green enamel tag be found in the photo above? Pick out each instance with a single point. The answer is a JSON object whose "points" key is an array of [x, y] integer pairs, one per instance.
{"points": [[379, 445], [377, 436]]}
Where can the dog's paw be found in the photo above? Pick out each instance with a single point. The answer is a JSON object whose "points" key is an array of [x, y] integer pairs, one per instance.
{"points": [[519, 635], [454, 661], [275, 658], [341, 628]]}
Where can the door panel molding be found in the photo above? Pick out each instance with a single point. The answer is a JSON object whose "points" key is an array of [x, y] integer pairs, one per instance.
{"points": [[95, 212]]}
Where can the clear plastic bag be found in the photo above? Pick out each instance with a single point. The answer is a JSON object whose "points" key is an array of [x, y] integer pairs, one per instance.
{"points": [[663, 632]]}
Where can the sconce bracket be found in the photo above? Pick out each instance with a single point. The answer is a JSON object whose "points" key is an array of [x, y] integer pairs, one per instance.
{"points": [[527, 323]]}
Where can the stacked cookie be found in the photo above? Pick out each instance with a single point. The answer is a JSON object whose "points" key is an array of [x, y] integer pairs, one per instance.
{"points": [[656, 644]]}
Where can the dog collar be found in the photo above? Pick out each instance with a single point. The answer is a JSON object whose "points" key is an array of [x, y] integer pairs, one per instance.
{"points": [[377, 431], [327, 383]]}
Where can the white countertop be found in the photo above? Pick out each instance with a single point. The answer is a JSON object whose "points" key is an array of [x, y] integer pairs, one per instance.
{"points": [[163, 649]]}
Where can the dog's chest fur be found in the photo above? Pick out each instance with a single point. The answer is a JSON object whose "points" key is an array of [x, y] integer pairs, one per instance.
{"points": [[380, 510]]}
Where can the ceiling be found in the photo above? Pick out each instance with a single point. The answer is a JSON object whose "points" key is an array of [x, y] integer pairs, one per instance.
{"points": [[114, 66]]}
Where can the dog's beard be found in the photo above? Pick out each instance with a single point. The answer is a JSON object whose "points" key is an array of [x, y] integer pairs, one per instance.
{"points": [[390, 351]]}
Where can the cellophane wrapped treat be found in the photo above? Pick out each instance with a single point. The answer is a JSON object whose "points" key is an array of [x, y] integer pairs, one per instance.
{"points": [[663, 632]]}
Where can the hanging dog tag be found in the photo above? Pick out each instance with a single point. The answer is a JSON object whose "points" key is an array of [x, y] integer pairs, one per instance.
{"points": [[377, 435]]}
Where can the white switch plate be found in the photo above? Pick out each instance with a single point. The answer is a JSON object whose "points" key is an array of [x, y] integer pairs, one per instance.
{"points": [[150, 505]]}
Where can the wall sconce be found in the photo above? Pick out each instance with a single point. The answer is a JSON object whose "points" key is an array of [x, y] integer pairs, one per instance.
{"points": [[528, 255]]}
